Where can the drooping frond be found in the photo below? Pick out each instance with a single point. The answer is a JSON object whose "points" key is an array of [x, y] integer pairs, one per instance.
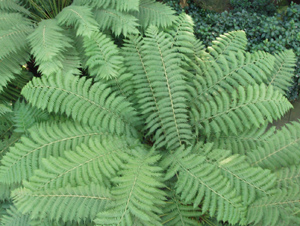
{"points": [[243, 109], [281, 151], [45, 140], [4, 108], [167, 84], [137, 194], [103, 56], [202, 182], [119, 5], [288, 176], [228, 43], [12, 6], [66, 204], [243, 142], [92, 104], [96, 162], [279, 209], [176, 213], [8, 20], [15, 217], [79, 16], [116, 21], [154, 13], [71, 63], [284, 66]]}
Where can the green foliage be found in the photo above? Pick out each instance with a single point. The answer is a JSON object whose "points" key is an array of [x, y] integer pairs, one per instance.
{"points": [[154, 130]]}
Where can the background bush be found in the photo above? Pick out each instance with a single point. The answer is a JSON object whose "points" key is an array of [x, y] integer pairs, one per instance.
{"points": [[266, 29]]}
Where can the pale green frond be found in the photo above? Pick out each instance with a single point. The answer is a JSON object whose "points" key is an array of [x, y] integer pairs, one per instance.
{"points": [[138, 193], [243, 142], [81, 17], [103, 56], [92, 104], [116, 21], [8, 20], [95, 162], [288, 176], [281, 151], [228, 43], [119, 5], [14, 217], [67, 204], [45, 140], [176, 213], [154, 13], [202, 182], [243, 109], [4, 108], [12, 6], [281, 208], [284, 67], [71, 63]]}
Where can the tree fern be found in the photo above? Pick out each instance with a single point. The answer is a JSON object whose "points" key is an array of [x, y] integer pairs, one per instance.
{"points": [[14, 217], [288, 176]]}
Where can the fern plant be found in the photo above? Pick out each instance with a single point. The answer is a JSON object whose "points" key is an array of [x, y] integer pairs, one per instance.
{"points": [[154, 130]]}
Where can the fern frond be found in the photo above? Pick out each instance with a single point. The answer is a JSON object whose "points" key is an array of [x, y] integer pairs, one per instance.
{"points": [[96, 162], [9, 20], [79, 16], [228, 43], [243, 142], [45, 140], [245, 108], [288, 176], [154, 13], [284, 66], [279, 209], [71, 63], [116, 21], [68, 203], [281, 151], [103, 56], [176, 213], [12, 6], [92, 104], [119, 5], [168, 84], [138, 193], [15, 217], [4, 108], [202, 182]]}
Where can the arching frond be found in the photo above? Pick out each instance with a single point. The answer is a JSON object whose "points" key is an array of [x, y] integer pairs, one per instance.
{"points": [[97, 162], [12, 6], [94, 104], [138, 193], [45, 140], [66, 204], [282, 151], [154, 13], [116, 21], [4, 108], [103, 56], [243, 109], [79, 16], [119, 5], [288, 176], [9, 20], [284, 66]]}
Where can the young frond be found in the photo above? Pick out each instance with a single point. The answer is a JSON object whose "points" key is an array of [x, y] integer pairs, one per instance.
{"points": [[288, 176], [154, 13], [243, 109], [202, 182], [279, 209], [138, 193], [66, 204], [103, 56], [94, 162], [116, 21], [284, 66], [92, 104], [45, 140], [79, 16], [281, 151]]}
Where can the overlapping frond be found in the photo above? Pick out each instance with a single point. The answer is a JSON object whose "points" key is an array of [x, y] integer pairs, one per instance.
{"points": [[288, 176], [15, 217], [96, 162], [282, 151], [119, 5], [103, 56], [4, 108], [202, 182], [92, 104], [154, 13], [66, 204], [243, 109], [138, 193], [49, 139], [279, 209], [116, 21], [12, 6], [80, 17], [284, 66], [8, 20]]}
